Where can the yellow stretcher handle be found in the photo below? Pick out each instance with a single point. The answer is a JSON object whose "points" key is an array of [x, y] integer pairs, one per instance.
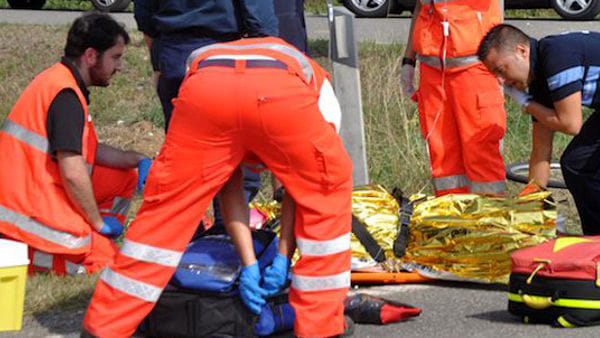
{"points": [[537, 302]]}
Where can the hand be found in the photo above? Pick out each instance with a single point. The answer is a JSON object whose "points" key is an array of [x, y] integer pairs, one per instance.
{"points": [[143, 169], [112, 227], [252, 294], [519, 96], [276, 274], [407, 78]]}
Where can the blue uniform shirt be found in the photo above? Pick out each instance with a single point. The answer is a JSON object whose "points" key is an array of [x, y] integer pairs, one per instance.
{"points": [[215, 18], [565, 64]]}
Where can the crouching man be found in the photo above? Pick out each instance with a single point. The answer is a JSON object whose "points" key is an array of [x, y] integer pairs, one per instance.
{"points": [[62, 192], [259, 96], [551, 79]]}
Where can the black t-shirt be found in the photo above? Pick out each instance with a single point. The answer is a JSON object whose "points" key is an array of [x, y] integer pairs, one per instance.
{"points": [[65, 120]]}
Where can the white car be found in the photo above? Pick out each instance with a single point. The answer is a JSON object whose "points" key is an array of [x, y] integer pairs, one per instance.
{"points": [[568, 9]]}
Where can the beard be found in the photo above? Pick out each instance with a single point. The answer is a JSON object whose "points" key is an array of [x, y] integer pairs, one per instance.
{"points": [[99, 76]]}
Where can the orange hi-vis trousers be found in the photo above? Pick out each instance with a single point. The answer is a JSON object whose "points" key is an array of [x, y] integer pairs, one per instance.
{"points": [[463, 123], [113, 189], [221, 115]]}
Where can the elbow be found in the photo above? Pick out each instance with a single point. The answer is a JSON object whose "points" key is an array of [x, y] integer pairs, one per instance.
{"points": [[572, 129]]}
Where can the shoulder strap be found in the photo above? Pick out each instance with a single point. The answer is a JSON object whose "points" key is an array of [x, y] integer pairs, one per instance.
{"points": [[365, 238]]}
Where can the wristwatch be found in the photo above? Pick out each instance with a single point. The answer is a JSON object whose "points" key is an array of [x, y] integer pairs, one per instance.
{"points": [[409, 61]]}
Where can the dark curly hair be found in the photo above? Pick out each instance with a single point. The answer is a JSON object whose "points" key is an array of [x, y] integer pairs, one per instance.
{"points": [[93, 30]]}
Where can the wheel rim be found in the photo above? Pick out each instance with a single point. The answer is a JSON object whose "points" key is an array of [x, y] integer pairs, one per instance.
{"points": [[574, 6], [106, 3], [368, 5]]}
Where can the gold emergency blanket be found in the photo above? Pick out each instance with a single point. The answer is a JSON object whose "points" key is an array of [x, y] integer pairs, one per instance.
{"points": [[378, 211], [472, 236]]}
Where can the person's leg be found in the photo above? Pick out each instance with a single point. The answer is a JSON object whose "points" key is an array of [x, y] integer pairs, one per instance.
{"points": [[173, 52], [580, 164], [292, 27], [307, 155], [113, 190], [440, 131], [475, 97], [199, 155]]}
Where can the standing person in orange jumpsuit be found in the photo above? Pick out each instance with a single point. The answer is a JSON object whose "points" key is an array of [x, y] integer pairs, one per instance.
{"points": [[460, 103], [62, 192], [255, 95]]}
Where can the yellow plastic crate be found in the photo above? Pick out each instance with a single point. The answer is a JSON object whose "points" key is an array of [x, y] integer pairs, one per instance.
{"points": [[13, 274]]}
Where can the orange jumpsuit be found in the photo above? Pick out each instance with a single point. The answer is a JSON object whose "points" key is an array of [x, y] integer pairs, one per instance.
{"points": [[258, 96], [460, 103], [34, 205]]}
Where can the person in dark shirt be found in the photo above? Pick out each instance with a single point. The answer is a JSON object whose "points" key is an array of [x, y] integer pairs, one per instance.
{"points": [[551, 79], [72, 193]]}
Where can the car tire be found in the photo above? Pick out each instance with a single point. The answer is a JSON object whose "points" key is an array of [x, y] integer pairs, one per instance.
{"points": [[111, 5], [26, 4], [575, 10], [368, 8]]}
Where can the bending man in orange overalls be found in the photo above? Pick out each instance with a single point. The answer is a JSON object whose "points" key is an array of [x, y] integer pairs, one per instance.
{"points": [[255, 95], [460, 103]]}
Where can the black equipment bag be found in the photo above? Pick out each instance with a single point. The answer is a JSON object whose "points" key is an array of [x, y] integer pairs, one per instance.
{"points": [[183, 313]]}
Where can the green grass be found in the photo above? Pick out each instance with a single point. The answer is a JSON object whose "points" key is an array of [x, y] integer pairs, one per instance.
{"points": [[396, 150]]}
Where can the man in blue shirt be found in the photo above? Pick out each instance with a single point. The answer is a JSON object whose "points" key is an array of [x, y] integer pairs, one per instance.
{"points": [[184, 26], [551, 79]]}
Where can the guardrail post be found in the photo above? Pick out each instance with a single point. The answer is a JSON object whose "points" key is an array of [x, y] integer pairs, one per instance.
{"points": [[346, 82]]}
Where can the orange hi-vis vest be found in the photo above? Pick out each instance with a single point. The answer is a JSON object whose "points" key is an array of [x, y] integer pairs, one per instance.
{"points": [[272, 47], [34, 206], [450, 30]]}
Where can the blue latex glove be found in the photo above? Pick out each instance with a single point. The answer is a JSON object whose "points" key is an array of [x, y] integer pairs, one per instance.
{"points": [[275, 275], [112, 227], [250, 291], [519, 96], [143, 169]]}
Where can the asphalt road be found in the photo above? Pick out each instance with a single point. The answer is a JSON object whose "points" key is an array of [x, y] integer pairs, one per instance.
{"points": [[449, 309], [379, 30]]}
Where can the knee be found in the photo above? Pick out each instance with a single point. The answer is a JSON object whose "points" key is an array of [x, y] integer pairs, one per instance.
{"points": [[130, 178], [568, 165]]}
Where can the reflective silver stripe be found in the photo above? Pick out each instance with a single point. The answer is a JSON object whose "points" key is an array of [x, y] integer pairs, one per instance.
{"points": [[451, 62], [302, 60], [31, 138], [495, 187], [120, 206], [38, 229], [323, 248], [74, 269], [150, 254], [141, 290], [322, 283], [23, 134], [42, 259], [450, 182]]}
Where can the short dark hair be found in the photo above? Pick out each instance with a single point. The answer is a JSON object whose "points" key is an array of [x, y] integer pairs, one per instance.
{"points": [[501, 37], [96, 30]]}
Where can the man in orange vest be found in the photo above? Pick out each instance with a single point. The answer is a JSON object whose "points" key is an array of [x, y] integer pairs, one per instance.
{"points": [[62, 192], [460, 103], [259, 96]]}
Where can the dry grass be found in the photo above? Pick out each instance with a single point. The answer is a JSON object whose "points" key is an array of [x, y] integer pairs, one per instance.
{"points": [[128, 115]]}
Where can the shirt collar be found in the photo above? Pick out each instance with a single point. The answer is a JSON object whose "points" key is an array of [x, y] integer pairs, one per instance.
{"points": [[86, 93], [533, 58]]}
